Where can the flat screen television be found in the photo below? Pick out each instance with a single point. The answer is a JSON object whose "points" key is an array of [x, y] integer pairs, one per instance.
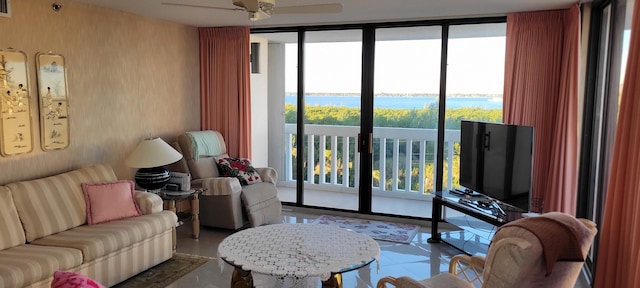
{"points": [[496, 160]]}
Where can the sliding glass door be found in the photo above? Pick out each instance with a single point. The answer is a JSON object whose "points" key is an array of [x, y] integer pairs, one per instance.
{"points": [[406, 89], [332, 70], [357, 110]]}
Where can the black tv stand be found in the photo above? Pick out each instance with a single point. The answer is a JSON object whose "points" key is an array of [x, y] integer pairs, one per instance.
{"points": [[478, 206], [467, 192]]}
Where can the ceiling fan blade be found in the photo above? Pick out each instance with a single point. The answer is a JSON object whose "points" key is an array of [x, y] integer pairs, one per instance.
{"points": [[309, 9], [201, 6]]}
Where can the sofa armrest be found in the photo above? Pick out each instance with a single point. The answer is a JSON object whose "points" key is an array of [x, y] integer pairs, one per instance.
{"points": [[218, 186], [148, 202], [268, 174]]}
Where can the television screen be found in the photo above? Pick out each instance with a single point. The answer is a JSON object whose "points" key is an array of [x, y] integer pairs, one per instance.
{"points": [[496, 160]]}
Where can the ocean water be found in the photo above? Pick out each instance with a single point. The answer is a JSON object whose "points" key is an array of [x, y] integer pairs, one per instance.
{"points": [[398, 102]]}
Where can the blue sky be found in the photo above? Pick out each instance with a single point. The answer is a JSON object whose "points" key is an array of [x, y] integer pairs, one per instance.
{"points": [[410, 66]]}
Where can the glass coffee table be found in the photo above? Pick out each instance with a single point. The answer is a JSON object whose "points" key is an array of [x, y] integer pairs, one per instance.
{"points": [[295, 255]]}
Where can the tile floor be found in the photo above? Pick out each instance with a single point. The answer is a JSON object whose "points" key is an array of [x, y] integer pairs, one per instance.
{"points": [[419, 259]]}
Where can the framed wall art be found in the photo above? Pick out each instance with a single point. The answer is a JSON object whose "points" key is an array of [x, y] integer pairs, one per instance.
{"points": [[54, 103], [15, 122]]}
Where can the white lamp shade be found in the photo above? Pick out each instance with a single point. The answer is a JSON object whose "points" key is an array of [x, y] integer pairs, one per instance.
{"points": [[152, 153]]}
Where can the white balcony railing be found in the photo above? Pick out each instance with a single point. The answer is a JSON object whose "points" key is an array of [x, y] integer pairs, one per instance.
{"points": [[340, 161]]}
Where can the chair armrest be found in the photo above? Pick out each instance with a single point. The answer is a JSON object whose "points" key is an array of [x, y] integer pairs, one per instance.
{"points": [[268, 174], [148, 202], [218, 186], [478, 261], [470, 267], [401, 282]]}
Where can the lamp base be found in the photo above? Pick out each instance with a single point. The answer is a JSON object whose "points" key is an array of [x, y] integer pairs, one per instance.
{"points": [[152, 178]]}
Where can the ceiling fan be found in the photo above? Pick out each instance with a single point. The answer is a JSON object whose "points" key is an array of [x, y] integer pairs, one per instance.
{"points": [[262, 9]]}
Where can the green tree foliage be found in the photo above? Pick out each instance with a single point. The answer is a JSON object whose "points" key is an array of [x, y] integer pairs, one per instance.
{"points": [[425, 118]]}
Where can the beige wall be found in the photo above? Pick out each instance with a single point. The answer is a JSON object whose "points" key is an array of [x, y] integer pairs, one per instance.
{"points": [[129, 77]]}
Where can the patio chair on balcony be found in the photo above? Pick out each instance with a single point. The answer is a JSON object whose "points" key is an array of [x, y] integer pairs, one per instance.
{"points": [[542, 251], [226, 203]]}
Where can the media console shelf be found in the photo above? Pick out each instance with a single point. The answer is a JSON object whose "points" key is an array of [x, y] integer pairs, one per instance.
{"points": [[479, 207]]}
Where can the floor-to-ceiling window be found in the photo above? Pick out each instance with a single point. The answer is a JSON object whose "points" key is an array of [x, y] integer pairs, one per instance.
{"points": [[405, 123], [395, 95], [283, 109], [333, 65], [608, 49], [475, 84]]}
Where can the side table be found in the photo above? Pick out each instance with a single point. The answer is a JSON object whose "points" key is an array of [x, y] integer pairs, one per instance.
{"points": [[170, 197]]}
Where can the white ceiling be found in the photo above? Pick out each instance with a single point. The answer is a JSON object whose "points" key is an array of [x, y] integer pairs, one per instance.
{"points": [[354, 11]]}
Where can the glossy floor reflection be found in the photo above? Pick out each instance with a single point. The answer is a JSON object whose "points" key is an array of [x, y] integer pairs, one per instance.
{"points": [[419, 259]]}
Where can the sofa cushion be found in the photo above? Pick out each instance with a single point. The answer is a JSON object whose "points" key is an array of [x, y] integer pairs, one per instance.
{"points": [[12, 233], [54, 204], [96, 241], [240, 168], [26, 264], [108, 201]]}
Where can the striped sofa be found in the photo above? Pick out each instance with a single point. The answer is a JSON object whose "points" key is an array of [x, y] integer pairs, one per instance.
{"points": [[43, 229]]}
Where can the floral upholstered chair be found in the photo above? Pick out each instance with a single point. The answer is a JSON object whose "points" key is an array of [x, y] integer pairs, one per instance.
{"points": [[236, 192], [542, 251]]}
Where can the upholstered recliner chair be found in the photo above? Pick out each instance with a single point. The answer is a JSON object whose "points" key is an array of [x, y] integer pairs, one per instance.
{"points": [[226, 203], [542, 251]]}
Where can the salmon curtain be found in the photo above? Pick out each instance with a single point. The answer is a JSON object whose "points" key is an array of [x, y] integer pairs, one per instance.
{"points": [[618, 262], [225, 94], [541, 90]]}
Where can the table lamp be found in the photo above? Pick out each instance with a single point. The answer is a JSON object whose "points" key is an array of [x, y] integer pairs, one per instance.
{"points": [[149, 157]]}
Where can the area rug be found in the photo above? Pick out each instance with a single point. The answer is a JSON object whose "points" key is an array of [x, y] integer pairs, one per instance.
{"points": [[386, 231], [166, 272]]}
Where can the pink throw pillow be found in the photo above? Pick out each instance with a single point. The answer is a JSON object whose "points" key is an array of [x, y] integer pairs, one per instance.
{"points": [[110, 201], [63, 279]]}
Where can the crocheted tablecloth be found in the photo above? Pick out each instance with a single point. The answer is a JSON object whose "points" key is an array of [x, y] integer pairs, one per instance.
{"points": [[296, 255]]}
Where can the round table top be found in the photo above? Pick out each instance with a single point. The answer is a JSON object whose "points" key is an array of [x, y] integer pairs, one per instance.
{"points": [[298, 250]]}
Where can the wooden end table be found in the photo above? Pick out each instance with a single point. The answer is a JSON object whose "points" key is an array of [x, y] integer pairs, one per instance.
{"points": [[169, 200]]}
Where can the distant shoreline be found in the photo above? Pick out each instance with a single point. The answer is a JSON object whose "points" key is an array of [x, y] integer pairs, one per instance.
{"points": [[322, 94]]}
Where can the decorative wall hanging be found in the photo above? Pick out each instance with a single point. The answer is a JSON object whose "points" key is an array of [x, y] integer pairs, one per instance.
{"points": [[54, 105], [17, 136]]}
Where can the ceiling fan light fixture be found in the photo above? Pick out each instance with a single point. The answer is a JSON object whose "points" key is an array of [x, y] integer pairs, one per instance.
{"points": [[267, 6], [255, 6], [263, 9], [255, 16]]}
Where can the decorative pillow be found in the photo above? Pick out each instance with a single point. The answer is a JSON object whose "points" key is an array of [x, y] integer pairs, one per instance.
{"points": [[110, 201], [240, 168], [63, 279]]}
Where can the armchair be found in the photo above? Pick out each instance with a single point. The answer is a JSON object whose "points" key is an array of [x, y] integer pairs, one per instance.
{"points": [[226, 203], [542, 251]]}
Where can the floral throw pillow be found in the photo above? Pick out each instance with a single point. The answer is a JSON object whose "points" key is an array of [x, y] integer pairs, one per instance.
{"points": [[240, 168], [64, 279]]}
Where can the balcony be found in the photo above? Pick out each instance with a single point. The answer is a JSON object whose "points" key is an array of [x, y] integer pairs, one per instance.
{"points": [[330, 180]]}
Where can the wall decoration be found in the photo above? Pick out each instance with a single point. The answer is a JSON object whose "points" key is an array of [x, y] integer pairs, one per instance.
{"points": [[17, 136], [54, 104]]}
